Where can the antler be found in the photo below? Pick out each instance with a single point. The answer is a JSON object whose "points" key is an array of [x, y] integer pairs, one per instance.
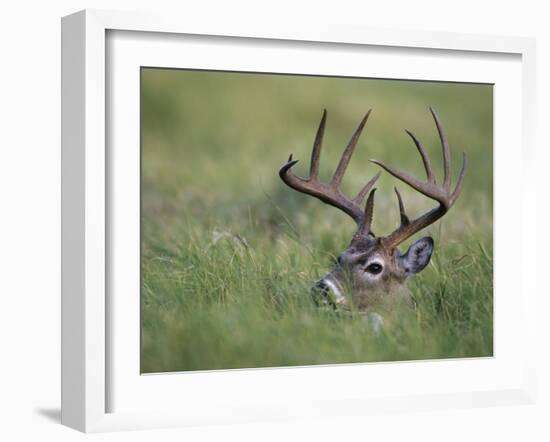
{"points": [[330, 193], [441, 194]]}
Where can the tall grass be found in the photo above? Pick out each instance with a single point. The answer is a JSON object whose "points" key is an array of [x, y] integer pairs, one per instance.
{"points": [[229, 253]]}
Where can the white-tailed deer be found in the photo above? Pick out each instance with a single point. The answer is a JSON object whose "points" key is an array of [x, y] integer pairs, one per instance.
{"points": [[372, 269]]}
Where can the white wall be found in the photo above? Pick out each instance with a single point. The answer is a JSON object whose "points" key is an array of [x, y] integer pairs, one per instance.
{"points": [[30, 219]]}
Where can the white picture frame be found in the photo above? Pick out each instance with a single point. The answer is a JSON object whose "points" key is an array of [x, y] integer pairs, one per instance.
{"points": [[87, 207]]}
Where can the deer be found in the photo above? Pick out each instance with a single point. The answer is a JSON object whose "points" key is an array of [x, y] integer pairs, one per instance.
{"points": [[372, 269]]}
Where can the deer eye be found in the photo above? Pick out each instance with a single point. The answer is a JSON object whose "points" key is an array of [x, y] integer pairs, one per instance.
{"points": [[374, 268]]}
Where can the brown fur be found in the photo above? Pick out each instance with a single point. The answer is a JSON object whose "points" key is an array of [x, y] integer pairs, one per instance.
{"points": [[367, 290]]}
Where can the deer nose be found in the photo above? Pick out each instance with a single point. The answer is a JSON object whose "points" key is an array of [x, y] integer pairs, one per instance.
{"points": [[326, 292], [320, 292]]}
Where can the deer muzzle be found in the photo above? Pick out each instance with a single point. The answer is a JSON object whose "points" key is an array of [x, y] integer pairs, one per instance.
{"points": [[327, 291]]}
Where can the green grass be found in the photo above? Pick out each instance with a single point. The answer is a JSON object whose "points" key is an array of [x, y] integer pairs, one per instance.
{"points": [[229, 252]]}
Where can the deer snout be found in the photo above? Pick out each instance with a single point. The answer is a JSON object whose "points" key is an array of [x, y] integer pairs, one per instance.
{"points": [[327, 292]]}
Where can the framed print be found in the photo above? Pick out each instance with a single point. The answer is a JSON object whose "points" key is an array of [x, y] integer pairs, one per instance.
{"points": [[269, 223], [229, 247]]}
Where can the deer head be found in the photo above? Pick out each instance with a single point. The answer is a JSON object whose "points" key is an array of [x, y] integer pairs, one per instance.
{"points": [[372, 269]]}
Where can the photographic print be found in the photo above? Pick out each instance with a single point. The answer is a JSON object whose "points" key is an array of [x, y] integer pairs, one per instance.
{"points": [[302, 220]]}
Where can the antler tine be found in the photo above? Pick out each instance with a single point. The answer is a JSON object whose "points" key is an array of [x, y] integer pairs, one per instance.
{"points": [[317, 144], [446, 152], [286, 172], [425, 158], [361, 195], [460, 181], [364, 229], [348, 152], [330, 193], [428, 189], [441, 194], [403, 216]]}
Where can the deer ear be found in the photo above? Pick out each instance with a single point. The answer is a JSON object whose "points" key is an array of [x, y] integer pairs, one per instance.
{"points": [[418, 256]]}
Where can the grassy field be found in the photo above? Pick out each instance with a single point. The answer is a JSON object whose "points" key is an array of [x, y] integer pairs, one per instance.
{"points": [[229, 252]]}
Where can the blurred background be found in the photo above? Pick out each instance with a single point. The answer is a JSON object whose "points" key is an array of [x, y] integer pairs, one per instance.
{"points": [[229, 251]]}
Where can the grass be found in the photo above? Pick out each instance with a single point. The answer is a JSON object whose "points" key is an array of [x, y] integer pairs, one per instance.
{"points": [[229, 252]]}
